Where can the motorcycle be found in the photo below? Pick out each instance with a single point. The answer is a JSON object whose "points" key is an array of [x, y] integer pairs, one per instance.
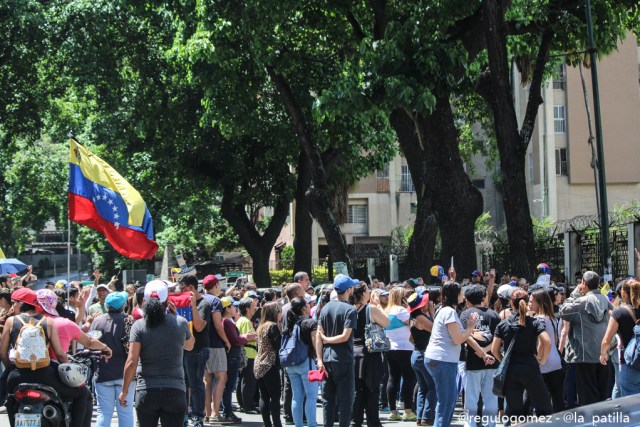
{"points": [[40, 405]]}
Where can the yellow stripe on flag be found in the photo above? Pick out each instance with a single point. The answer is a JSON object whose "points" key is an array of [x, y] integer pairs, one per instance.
{"points": [[2, 254], [99, 171]]}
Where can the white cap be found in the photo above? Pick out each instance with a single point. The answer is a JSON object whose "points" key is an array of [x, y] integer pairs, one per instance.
{"points": [[505, 291], [158, 287]]}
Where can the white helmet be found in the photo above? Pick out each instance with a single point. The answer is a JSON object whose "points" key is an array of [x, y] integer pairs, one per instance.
{"points": [[73, 374]]}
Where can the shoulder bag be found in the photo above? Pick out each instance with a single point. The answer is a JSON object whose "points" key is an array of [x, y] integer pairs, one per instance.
{"points": [[499, 378], [375, 339]]}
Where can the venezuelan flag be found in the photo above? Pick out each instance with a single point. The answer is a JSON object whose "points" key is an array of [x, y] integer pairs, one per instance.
{"points": [[103, 200], [182, 301]]}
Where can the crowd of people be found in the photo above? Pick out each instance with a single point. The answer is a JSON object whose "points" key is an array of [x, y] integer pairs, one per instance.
{"points": [[178, 352]]}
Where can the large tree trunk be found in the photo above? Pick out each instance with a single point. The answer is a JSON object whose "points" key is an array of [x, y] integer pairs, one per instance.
{"points": [[423, 239], [430, 145], [457, 203], [258, 246], [302, 241], [495, 87], [321, 207]]}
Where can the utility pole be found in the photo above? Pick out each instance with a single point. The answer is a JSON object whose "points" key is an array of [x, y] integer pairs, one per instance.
{"points": [[602, 180]]}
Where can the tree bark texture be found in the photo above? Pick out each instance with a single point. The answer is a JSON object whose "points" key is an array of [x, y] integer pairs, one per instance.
{"points": [[457, 203], [318, 193], [302, 241], [423, 239], [258, 246], [446, 196], [495, 87]]}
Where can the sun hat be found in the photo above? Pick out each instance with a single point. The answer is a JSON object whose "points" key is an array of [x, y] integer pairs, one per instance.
{"points": [[416, 301], [48, 300]]}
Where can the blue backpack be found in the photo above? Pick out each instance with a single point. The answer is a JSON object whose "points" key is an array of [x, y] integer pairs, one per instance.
{"points": [[293, 351], [632, 351]]}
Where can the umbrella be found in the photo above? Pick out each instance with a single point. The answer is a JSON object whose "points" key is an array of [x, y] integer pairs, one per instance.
{"points": [[11, 265]]}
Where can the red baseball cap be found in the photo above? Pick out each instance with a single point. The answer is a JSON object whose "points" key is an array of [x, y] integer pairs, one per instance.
{"points": [[25, 295], [210, 281]]}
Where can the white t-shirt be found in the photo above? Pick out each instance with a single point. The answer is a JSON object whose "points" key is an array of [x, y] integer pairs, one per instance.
{"points": [[397, 331], [441, 347], [553, 362]]}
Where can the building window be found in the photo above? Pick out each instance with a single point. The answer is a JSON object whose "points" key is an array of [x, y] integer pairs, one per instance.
{"points": [[406, 183], [478, 183], [560, 81], [357, 214], [561, 162], [382, 179], [384, 172], [532, 175], [559, 119]]}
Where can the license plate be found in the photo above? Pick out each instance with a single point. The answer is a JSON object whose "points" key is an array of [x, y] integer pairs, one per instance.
{"points": [[28, 420]]}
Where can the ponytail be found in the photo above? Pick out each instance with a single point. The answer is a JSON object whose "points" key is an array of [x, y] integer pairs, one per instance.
{"points": [[297, 305], [519, 302], [634, 293], [522, 312], [154, 312]]}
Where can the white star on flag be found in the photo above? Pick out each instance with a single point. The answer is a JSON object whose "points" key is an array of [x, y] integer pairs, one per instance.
{"points": [[110, 202], [115, 208], [117, 224], [104, 197], [116, 216]]}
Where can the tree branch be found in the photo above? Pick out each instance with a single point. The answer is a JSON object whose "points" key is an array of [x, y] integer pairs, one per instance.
{"points": [[357, 29], [535, 98], [280, 214], [381, 20]]}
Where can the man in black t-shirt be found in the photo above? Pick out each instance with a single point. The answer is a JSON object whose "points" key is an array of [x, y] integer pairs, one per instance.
{"points": [[334, 347], [196, 359], [479, 366]]}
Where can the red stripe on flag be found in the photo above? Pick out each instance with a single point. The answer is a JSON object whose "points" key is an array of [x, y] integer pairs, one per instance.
{"points": [[128, 242], [183, 299]]}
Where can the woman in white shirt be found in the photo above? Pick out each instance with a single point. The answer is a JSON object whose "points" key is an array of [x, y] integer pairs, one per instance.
{"points": [[399, 358], [552, 372], [443, 351]]}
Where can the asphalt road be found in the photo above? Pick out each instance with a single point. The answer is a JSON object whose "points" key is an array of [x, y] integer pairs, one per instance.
{"points": [[255, 420]]}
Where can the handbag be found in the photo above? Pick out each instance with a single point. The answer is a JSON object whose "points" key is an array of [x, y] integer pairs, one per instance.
{"points": [[315, 375], [499, 378], [375, 338]]}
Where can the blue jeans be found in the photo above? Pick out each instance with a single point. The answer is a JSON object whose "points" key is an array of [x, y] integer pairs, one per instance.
{"points": [[107, 395], [194, 365], [629, 380], [339, 391], [615, 393], [303, 391], [480, 383], [426, 402], [444, 376], [233, 366]]}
